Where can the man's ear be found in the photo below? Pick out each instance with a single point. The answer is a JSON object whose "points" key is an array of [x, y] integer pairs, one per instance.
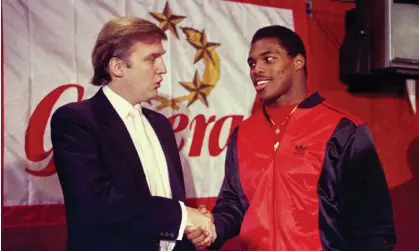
{"points": [[299, 62], [116, 67]]}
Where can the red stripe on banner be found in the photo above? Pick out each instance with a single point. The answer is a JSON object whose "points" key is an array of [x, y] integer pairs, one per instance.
{"points": [[52, 215], [43, 227], [39, 215]]}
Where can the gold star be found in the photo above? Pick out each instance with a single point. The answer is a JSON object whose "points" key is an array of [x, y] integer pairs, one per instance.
{"points": [[197, 89], [167, 19], [199, 41]]}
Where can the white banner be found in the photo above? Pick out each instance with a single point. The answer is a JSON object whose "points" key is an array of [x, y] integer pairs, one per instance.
{"points": [[47, 47]]}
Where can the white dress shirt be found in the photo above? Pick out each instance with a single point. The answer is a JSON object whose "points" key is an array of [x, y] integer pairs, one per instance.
{"points": [[152, 159]]}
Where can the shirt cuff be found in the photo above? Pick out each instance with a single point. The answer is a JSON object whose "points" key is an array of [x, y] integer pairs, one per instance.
{"points": [[184, 221]]}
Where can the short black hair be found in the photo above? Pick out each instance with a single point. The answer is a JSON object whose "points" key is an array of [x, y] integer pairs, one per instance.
{"points": [[287, 39]]}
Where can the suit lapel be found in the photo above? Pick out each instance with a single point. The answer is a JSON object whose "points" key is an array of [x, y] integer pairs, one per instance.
{"points": [[113, 128], [164, 134]]}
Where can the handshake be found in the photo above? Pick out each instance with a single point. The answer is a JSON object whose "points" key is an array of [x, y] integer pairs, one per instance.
{"points": [[200, 228]]}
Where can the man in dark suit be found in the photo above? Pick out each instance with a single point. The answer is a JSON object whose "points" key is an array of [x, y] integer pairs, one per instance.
{"points": [[118, 163]]}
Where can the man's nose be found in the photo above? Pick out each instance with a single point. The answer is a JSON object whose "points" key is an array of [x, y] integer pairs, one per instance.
{"points": [[162, 68], [257, 69]]}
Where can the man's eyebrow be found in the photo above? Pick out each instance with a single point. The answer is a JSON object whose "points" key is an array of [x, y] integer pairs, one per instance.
{"points": [[156, 54], [269, 52], [263, 54]]}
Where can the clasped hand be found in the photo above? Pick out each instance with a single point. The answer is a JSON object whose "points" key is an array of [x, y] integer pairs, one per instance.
{"points": [[200, 228]]}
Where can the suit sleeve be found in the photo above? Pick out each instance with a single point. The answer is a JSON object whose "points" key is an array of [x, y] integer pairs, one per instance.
{"points": [[365, 200], [231, 204], [90, 192]]}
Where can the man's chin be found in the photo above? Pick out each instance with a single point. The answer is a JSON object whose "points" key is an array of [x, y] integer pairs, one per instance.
{"points": [[152, 95], [264, 96]]}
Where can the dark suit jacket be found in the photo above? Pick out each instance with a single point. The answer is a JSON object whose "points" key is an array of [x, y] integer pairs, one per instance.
{"points": [[107, 200]]}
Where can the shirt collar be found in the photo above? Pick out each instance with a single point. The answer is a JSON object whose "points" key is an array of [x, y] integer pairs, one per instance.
{"points": [[122, 106]]}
